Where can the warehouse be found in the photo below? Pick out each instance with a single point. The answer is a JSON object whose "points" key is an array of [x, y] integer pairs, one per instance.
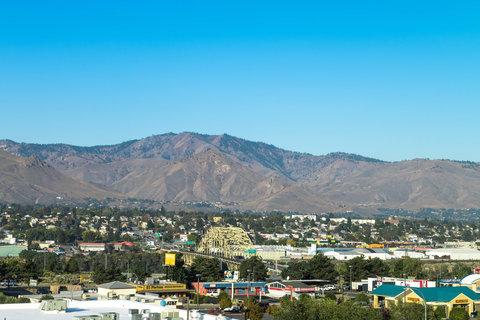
{"points": [[115, 289], [351, 253], [454, 254], [82, 309], [238, 288]]}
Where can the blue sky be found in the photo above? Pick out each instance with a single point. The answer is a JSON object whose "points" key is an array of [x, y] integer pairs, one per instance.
{"points": [[388, 79]]}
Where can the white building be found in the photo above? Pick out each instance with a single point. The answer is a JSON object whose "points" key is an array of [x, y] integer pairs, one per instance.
{"points": [[402, 253], [348, 254], [454, 254], [303, 217], [77, 309], [115, 289]]}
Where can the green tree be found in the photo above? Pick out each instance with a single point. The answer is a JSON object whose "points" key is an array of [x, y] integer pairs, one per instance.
{"points": [[440, 313], [321, 267], [253, 311], [208, 269], [253, 269], [296, 270], [411, 311], [458, 314], [224, 300]]}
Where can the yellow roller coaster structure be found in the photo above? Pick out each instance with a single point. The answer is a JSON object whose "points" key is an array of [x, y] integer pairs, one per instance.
{"points": [[226, 242]]}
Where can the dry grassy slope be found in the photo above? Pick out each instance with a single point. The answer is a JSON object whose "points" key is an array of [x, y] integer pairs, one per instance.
{"points": [[29, 180], [209, 176], [406, 184], [255, 175]]}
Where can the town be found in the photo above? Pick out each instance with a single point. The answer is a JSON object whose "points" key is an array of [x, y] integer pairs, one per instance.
{"points": [[238, 264]]}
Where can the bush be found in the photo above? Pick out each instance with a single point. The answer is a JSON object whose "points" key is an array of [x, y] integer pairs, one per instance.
{"points": [[362, 298], [7, 299], [47, 297], [458, 314], [440, 313], [224, 300]]}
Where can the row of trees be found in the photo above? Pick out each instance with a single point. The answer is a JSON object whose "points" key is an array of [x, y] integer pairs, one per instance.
{"points": [[321, 267], [105, 267], [119, 265], [307, 308]]}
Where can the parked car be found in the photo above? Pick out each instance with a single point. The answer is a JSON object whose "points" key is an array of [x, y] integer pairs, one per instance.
{"points": [[233, 309], [328, 287]]}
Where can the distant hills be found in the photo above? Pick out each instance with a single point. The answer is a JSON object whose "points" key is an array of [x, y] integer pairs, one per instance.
{"points": [[30, 180], [233, 171]]}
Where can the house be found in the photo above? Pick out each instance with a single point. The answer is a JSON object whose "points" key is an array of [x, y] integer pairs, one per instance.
{"points": [[92, 246], [123, 245]]}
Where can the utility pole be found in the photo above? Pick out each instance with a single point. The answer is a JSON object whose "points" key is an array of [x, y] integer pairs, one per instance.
{"points": [[198, 288]]}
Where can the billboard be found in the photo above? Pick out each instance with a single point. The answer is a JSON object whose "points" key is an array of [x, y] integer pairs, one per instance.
{"points": [[170, 259]]}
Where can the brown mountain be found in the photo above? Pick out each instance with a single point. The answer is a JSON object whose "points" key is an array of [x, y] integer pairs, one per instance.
{"points": [[255, 175], [30, 180]]}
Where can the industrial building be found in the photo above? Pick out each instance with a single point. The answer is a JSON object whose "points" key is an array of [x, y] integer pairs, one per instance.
{"points": [[115, 289], [98, 310], [453, 254], [351, 253], [292, 288], [234, 289]]}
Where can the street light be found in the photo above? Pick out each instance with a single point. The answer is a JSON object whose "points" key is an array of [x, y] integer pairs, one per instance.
{"points": [[424, 301]]}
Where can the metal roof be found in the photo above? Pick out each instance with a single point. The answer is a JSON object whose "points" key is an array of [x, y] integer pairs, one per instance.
{"points": [[436, 294], [116, 285]]}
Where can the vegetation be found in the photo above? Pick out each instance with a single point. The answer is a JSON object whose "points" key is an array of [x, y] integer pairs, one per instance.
{"points": [[253, 311], [306, 308], [224, 300], [104, 267], [458, 314], [253, 269], [207, 269], [7, 299]]}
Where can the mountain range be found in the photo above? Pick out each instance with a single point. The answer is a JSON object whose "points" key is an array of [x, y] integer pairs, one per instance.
{"points": [[231, 171]]}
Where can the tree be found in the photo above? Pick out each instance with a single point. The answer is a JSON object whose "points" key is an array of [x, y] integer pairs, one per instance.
{"points": [[321, 267], [253, 269], [358, 268], [224, 300], [458, 314], [253, 311], [307, 308], [296, 270], [440, 313], [411, 311], [208, 269]]}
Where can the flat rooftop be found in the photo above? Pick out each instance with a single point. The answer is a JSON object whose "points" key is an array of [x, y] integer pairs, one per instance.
{"points": [[31, 311]]}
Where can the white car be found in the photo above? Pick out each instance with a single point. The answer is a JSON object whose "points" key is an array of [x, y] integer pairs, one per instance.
{"points": [[328, 287]]}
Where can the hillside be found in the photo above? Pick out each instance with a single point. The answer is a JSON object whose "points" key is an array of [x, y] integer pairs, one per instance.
{"points": [[30, 180], [259, 176]]}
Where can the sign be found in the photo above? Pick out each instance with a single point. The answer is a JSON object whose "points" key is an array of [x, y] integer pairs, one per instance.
{"points": [[463, 301], [170, 259], [413, 299]]}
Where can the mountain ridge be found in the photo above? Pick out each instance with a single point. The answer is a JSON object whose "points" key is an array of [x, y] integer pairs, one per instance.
{"points": [[258, 176]]}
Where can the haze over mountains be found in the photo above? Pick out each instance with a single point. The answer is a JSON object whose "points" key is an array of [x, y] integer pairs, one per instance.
{"points": [[222, 168]]}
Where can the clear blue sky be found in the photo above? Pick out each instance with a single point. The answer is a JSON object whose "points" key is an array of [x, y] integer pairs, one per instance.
{"points": [[387, 79]]}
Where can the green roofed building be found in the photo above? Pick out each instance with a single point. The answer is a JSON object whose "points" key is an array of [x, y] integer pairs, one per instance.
{"points": [[446, 297], [11, 250]]}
